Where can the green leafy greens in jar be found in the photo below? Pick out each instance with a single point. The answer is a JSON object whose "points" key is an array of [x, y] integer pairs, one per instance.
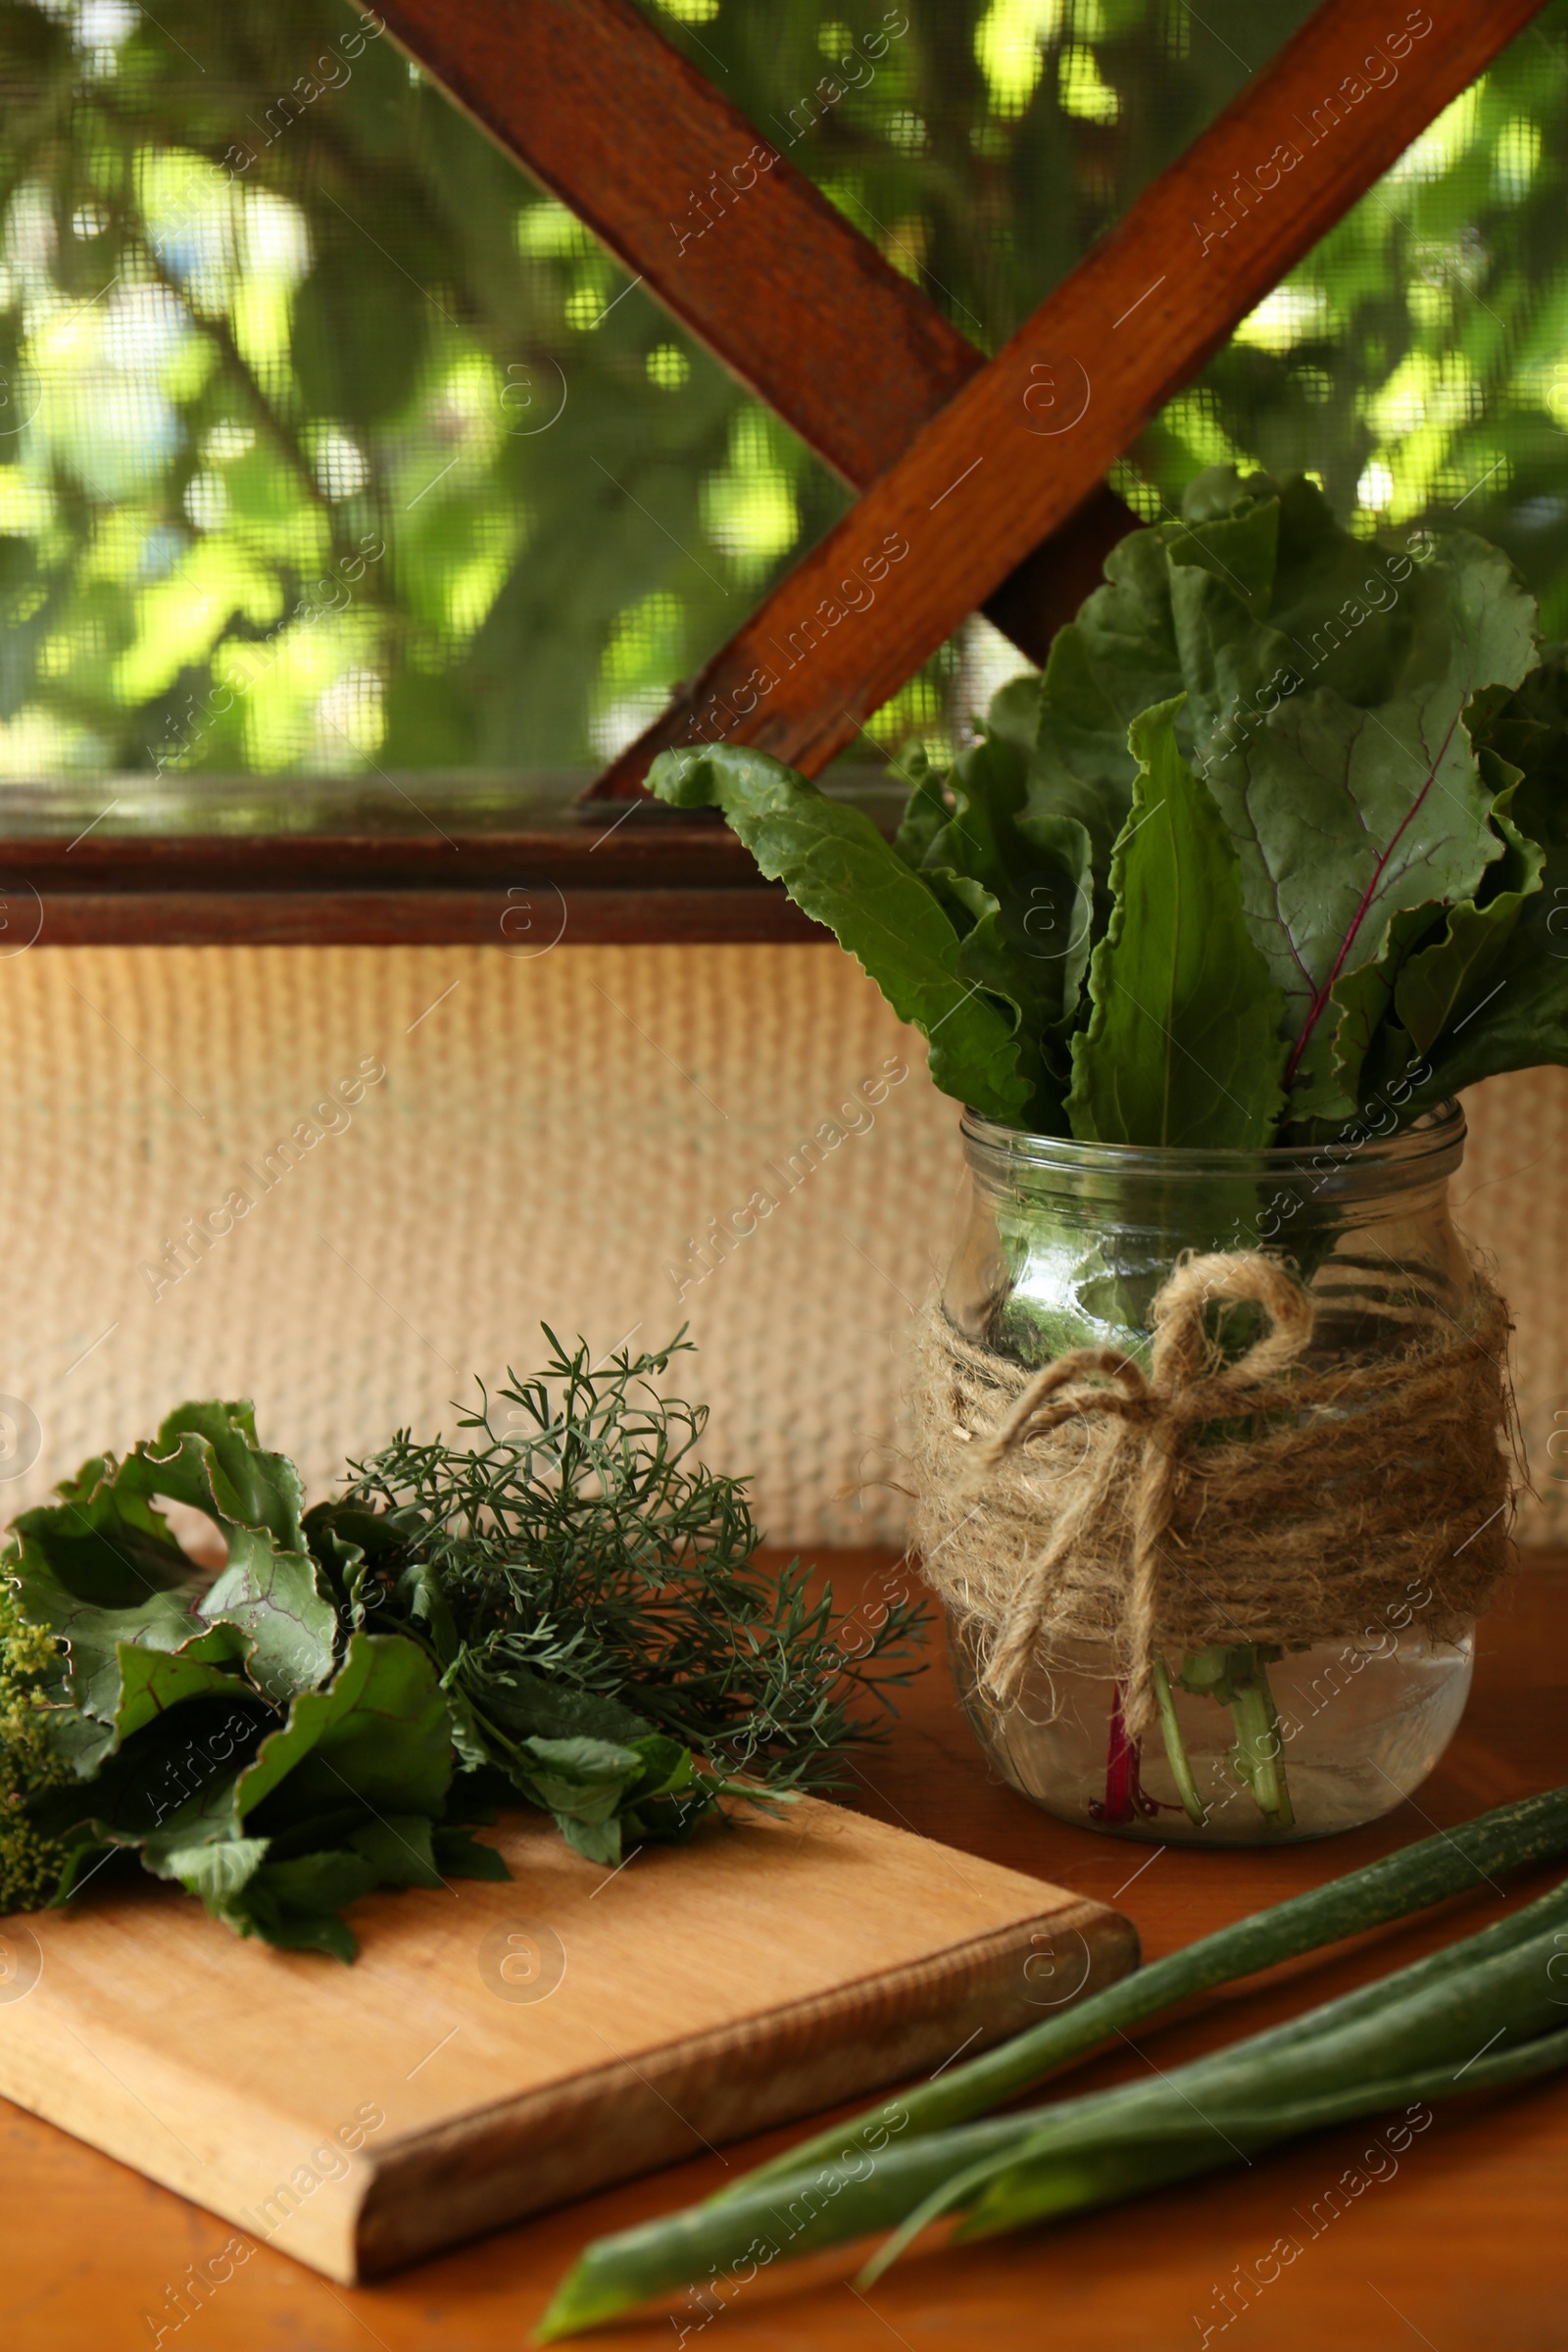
{"points": [[1278, 839], [1273, 853]]}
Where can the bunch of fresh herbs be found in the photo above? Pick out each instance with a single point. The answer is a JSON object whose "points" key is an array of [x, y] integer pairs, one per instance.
{"points": [[1281, 831], [608, 1643], [568, 1613]]}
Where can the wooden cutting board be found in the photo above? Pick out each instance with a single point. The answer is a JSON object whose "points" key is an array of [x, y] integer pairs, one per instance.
{"points": [[499, 2048]]}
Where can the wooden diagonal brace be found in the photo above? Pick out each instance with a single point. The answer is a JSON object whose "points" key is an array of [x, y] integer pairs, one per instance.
{"points": [[1016, 450], [734, 239]]}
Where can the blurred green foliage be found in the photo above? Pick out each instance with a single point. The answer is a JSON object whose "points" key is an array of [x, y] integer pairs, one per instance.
{"points": [[328, 442]]}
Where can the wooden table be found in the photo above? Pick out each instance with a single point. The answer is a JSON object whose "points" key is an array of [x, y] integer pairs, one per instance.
{"points": [[1458, 2244]]}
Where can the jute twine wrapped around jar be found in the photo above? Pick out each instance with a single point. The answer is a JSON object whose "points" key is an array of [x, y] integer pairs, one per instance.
{"points": [[1087, 1501]]}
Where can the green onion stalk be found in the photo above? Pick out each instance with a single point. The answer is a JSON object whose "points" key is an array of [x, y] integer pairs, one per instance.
{"points": [[1485, 2013]]}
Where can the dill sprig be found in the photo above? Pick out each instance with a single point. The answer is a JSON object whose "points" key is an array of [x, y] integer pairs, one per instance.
{"points": [[582, 1543]]}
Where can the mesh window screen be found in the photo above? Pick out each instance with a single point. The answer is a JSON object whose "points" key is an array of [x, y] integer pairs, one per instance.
{"points": [[328, 444], [1417, 361]]}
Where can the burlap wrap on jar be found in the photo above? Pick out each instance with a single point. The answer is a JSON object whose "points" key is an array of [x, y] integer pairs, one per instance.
{"points": [[1267, 1498]]}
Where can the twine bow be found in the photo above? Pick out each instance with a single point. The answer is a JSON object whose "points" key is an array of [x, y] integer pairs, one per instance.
{"points": [[1189, 1385]]}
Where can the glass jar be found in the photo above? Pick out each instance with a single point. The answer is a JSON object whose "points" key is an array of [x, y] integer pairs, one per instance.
{"points": [[1067, 1246]]}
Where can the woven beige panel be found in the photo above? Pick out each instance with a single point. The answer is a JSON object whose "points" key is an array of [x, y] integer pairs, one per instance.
{"points": [[548, 1139], [1511, 1196]]}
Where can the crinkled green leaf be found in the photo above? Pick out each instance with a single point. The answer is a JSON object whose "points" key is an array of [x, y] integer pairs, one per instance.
{"points": [[1331, 686], [1328, 1085], [275, 1598], [927, 813], [1184, 1043], [87, 1681], [1510, 1011], [276, 1820], [1117, 658], [838, 868], [1437, 968], [103, 1543], [376, 1734], [1339, 754], [272, 1826], [1441, 985], [1020, 892], [1528, 729], [167, 1788], [373, 1741], [226, 1473], [1523, 1021], [269, 1588], [1327, 680], [152, 1680], [101, 1568]]}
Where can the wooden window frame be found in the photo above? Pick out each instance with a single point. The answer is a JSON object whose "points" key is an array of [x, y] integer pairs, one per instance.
{"points": [[989, 473]]}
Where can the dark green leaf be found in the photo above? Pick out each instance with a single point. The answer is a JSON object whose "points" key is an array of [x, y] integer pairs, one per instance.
{"points": [[378, 1733], [1524, 1022], [1118, 657], [459, 1855], [89, 1680], [274, 1830], [1348, 812], [295, 1905], [836, 866], [101, 1568], [528, 1706], [1441, 985], [400, 1850], [152, 1680], [1184, 1043], [1019, 887], [594, 1789], [103, 1543], [1349, 1039]]}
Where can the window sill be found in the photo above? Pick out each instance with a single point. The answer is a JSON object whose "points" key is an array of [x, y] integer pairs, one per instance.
{"points": [[250, 863], [518, 891]]}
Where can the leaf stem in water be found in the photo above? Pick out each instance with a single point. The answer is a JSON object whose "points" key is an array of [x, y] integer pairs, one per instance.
{"points": [[1176, 1747]]}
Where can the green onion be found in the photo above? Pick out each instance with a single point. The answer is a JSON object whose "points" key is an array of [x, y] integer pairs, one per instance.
{"points": [[1533, 1829], [1348, 2057], [1029, 2192], [1479, 2014]]}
